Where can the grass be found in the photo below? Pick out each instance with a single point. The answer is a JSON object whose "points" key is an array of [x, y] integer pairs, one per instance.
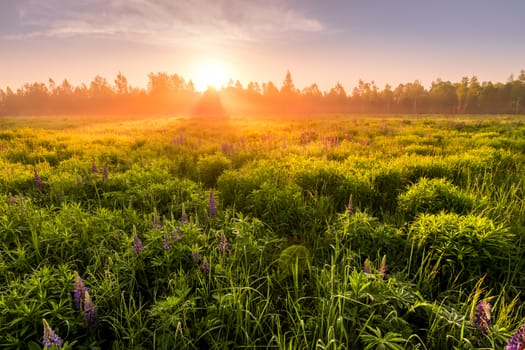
{"points": [[435, 226]]}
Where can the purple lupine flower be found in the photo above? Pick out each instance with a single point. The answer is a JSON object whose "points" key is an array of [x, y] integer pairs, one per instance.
{"points": [[195, 256], [50, 338], [517, 342], [156, 223], [482, 316], [350, 207], [184, 217], [166, 244], [94, 168], [382, 268], [11, 200], [105, 173], [227, 148], [137, 245], [79, 291], [90, 314], [205, 267], [223, 244], [366, 267], [38, 181], [179, 234], [213, 207]]}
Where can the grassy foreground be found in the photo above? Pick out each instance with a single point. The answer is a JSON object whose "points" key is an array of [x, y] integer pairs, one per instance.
{"points": [[335, 232]]}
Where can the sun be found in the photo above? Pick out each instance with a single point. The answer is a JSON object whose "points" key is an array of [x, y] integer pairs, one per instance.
{"points": [[209, 74]]}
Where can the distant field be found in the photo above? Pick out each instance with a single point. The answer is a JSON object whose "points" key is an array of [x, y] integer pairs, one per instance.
{"points": [[328, 232]]}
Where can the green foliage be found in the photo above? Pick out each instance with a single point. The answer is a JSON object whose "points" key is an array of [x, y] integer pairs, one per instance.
{"points": [[295, 259], [434, 195], [210, 167], [458, 248], [368, 236], [437, 204]]}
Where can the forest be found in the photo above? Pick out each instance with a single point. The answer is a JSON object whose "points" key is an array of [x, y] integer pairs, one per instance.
{"points": [[171, 93]]}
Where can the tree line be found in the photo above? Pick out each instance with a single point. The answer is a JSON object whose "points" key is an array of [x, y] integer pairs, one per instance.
{"points": [[172, 94]]}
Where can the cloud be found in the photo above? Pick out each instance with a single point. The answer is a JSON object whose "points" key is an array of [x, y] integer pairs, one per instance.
{"points": [[193, 22]]}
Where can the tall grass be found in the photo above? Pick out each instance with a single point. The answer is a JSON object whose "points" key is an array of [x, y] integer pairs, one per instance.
{"points": [[337, 232]]}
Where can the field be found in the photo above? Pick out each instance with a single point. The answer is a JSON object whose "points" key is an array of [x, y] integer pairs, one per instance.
{"points": [[328, 232]]}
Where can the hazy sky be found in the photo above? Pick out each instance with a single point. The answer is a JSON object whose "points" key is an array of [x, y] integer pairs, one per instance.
{"points": [[388, 41]]}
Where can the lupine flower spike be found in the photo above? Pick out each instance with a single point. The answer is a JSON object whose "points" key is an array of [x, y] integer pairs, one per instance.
{"points": [[366, 267], [137, 244], [517, 342], [205, 267], [105, 173], [195, 256], [11, 200], [184, 217], [89, 311], [79, 291], [482, 316], [156, 223], [38, 181], [94, 168], [50, 338], [350, 207], [382, 268], [213, 207], [223, 244], [166, 243]]}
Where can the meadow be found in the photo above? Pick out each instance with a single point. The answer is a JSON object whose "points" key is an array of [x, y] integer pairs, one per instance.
{"points": [[321, 232]]}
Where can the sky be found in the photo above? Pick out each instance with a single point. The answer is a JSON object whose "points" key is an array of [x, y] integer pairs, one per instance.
{"points": [[318, 41]]}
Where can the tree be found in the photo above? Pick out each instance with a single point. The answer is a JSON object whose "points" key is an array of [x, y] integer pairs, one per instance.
{"points": [[100, 88], [121, 84], [288, 88], [443, 96], [336, 97], [387, 97], [270, 90], [462, 93]]}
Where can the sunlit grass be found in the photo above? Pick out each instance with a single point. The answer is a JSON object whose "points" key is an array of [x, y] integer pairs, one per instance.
{"points": [[438, 198]]}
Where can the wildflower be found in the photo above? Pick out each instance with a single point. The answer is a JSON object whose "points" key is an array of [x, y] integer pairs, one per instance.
{"points": [[184, 217], [89, 311], [38, 181], [156, 223], [166, 244], [205, 267], [366, 267], [179, 234], [11, 200], [137, 244], [94, 168], [350, 207], [105, 173], [482, 316], [223, 244], [195, 256], [382, 268], [79, 291], [227, 148], [517, 342], [213, 207], [50, 337]]}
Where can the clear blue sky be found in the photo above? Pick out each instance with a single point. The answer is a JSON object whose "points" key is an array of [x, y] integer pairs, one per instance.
{"points": [[386, 41]]}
